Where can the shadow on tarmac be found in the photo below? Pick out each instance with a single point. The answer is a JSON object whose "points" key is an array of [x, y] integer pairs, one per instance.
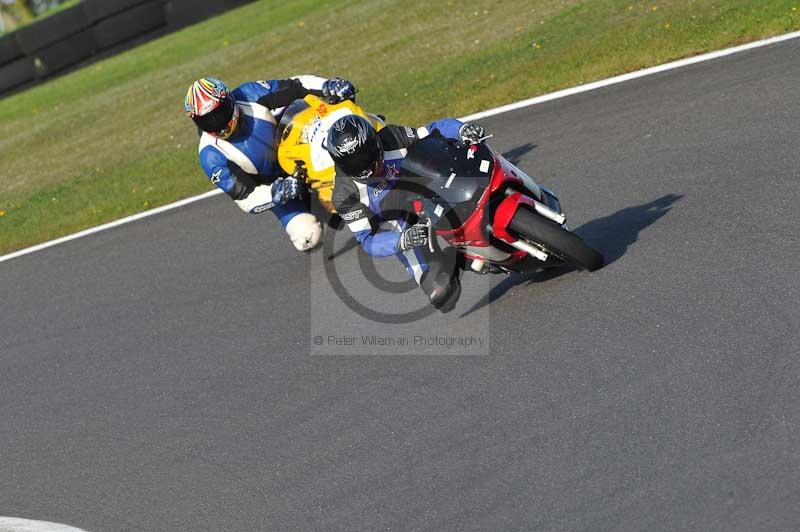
{"points": [[515, 155], [611, 235]]}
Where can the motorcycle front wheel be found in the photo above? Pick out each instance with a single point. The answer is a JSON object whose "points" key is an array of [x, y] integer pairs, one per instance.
{"points": [[537, 229]]}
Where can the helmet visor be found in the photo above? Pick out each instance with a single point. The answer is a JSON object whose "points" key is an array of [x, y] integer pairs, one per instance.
{"points": [[364, 163], [218, 120]]}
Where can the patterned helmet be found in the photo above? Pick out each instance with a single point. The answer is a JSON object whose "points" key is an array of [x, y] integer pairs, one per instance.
{"points": [[211, 105], [355, 147]]}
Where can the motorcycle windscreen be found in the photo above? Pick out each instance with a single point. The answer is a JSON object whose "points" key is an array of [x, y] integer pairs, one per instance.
{"points": [[298, 106], [452, 175], [451, 171]]}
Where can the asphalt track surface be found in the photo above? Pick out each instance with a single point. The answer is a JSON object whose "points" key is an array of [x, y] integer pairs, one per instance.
{"points": [[160, 376]]}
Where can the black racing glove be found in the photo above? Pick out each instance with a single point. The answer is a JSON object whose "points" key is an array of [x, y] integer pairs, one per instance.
{"points": [[471, 133], [338, 90], [414, 236]]}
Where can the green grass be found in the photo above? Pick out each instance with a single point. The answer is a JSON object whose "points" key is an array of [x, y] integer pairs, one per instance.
{"points": [[111, 139]]}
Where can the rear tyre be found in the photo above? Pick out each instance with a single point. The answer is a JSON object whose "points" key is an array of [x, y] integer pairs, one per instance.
{"points": [[555, 239]]}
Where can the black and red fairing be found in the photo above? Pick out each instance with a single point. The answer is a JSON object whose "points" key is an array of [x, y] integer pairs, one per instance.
{"points": [[471, 193]]}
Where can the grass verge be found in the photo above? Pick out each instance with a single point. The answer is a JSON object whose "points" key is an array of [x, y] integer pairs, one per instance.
{"points": [[111, 139]]}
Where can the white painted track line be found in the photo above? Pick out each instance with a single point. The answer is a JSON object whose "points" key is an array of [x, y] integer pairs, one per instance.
{"points": [[477, 116], [109, 225], [12, 524]]}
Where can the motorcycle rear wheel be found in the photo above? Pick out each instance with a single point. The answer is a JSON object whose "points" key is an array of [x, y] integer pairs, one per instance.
{"points": [[552, 237]]}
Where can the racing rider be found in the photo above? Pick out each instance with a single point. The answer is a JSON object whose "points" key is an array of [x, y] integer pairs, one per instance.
{"points": [[238, 145], [367, 165]]}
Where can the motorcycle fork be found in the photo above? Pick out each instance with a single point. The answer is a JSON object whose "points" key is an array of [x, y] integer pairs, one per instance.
{"points": [[506, 211]]}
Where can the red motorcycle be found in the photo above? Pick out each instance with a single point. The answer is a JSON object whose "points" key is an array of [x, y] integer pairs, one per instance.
{"points": [[490, 210]]}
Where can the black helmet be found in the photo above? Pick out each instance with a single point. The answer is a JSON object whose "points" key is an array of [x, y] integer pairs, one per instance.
{"points": [[355, 147]]}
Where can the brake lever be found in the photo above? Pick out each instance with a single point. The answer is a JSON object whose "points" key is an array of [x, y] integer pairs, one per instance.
{"points": [[430, 233], [301, 174], [420, 212], [300, 171]]}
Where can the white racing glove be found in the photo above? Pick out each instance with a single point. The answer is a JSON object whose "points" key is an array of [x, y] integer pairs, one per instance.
{"points": [[414, 236], [471, 133]]}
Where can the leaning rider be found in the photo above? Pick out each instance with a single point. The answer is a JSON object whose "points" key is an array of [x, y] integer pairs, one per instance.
{"points": [[367, 165], [238, 144]]}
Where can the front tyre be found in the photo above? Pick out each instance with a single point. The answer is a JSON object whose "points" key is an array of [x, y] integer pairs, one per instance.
{"points": [[555, 239]]}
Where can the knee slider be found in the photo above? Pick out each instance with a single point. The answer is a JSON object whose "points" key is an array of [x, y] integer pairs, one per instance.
{"points": [[305, 231]]}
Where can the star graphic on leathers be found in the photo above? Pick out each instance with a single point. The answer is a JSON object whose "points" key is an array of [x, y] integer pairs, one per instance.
{"points": [[392, 171]]}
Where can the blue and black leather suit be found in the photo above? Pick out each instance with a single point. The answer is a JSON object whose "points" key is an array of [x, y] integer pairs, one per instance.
{"points": [[362, 205], [245, 164]]}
